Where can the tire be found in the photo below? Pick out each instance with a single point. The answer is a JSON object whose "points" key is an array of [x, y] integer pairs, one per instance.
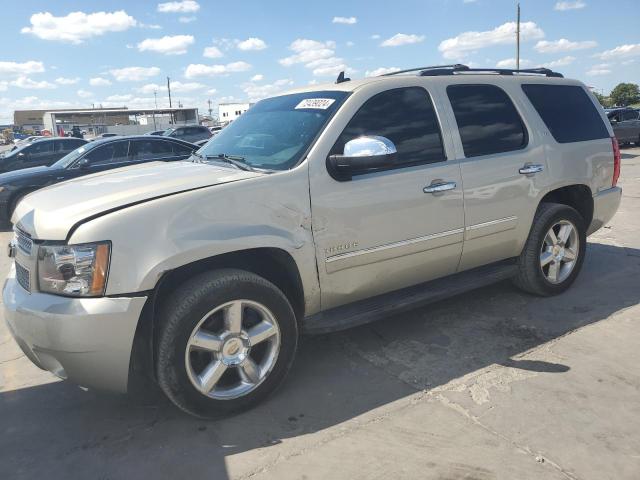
{"points": [[532, 276], [203, 308]]}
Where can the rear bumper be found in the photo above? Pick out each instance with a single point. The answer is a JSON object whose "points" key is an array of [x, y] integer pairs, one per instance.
{"points": [[87, 341], [605, 205]]}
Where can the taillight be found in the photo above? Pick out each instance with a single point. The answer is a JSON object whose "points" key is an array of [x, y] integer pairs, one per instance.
{"points": [[616, 161]]}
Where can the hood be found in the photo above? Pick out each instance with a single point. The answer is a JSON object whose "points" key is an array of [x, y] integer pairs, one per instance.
{"points": [[22, 173], [50, 213]]}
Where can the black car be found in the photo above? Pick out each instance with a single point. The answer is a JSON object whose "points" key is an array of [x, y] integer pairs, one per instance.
{"points": [[189, 133], [626, 125], [90, 158], [42, 152]]}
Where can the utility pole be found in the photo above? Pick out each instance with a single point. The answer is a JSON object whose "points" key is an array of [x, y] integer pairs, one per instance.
{"points": [[155, 99], [210, 110], [169, 90], [518, 40]]}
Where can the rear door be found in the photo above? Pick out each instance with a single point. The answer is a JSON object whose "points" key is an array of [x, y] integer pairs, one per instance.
{"points": [[501, 169], [381, 231]]}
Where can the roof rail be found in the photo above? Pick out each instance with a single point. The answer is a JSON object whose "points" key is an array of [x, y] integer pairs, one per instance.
{"points": [[439, 70]]}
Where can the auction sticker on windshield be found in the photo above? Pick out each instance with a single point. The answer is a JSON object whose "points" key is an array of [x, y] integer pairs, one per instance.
{"points": [[317, 103]]}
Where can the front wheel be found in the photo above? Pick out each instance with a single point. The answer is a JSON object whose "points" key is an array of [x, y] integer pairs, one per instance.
{"points": [[554, 252], [227, 339]]}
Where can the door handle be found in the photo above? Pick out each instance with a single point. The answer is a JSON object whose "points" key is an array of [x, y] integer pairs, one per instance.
{"points": [[439, 187], [529, 169]]}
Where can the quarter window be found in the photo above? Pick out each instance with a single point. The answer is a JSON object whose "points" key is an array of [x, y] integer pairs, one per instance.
{"points": [[567, 111], [487, 120], [406, 117]]}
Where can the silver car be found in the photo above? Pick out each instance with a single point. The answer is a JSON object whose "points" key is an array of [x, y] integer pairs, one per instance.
{"points": [[317, 210]]}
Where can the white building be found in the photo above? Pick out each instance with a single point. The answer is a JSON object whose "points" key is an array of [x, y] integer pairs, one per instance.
{"points": [[228, 112]]}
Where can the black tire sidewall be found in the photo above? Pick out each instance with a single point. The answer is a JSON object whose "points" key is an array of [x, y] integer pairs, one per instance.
{"points": [[561, 212], [187, 306]]}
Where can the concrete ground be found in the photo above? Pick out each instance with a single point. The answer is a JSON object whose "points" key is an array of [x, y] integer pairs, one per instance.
{"points": [[494, 384]]}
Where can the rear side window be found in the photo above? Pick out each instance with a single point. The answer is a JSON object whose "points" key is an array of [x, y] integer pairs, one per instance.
{"points": [[567, 111], [150, 150], [487, 120], [113, 152], [407, 118]]}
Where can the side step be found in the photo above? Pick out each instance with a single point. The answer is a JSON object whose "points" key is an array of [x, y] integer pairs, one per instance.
{"points": [[376, 308]]}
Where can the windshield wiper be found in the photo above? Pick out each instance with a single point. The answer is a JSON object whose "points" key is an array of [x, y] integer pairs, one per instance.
{"points": [[235, 160]]}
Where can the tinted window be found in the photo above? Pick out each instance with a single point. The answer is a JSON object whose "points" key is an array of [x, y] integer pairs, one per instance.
{"points": [[630, 115], [150, 149], [407, 118], [180, 149], [487, 120], [567, 111], [68, 145], [112, 152], [40, 148]]}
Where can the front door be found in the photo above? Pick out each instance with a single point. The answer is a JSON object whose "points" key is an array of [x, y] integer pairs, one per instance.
{"points": [[381, 231]]}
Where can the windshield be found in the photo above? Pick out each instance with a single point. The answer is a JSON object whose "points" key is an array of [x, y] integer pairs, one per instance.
{"points": [[168, 131], [70, 157], [275, 133]]}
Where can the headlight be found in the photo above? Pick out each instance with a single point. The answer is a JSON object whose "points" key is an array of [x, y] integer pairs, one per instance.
{"points": [[76, 270]]}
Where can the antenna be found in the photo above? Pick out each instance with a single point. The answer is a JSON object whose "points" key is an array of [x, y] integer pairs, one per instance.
{"points": [[341, 78]]}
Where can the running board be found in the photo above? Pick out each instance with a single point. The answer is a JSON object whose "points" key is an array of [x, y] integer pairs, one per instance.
{"points": [[381, 306]]}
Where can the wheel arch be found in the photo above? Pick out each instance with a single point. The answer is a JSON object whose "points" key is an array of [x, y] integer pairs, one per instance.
{"points": [[577, 196], [274, 264]]}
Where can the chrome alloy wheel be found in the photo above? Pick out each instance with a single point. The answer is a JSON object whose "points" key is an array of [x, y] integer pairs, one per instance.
{"points": [[559, 251], [232, 349]]}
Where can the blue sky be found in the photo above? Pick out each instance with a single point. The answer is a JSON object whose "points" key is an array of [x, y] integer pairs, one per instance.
{"points": [[78, 53]]}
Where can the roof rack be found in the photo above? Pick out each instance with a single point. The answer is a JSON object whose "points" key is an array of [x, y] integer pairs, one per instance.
{"points": [[439, 70]]}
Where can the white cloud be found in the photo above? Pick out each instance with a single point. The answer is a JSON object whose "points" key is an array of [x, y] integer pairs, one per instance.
{"points": [[212, 52], [461, 45], [257, 92], [27, 83], [77, 27], [402, 39], [569, 5], [561, 62], [187, 19], [375, 36], [257, 78], [150, 26], [186, 6], [380, 71], [67, 81], [563, 45], [199, 70], [84, 94], [134, 74], [511, 63], [99, 82], [621, 51], [211, 91], [599, 69], [345, 20], [12, 69], [176, 86], [317, 56], [168, 45], [252, 44], [119, 98]]}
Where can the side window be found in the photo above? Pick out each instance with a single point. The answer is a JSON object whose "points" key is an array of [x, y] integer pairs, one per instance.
{"points": [[179, 149], [487, 120], [567, 111], [150, 149], [630, 115], [113, 152], [406, 117], [40, 148], [179, 133]]}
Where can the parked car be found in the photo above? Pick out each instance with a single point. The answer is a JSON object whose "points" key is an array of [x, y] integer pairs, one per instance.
{"points": [[626, 125], [155, 132], [25, 141], [93, 157], [188, 133], [39, 152], [104, 135], [316, 210]]}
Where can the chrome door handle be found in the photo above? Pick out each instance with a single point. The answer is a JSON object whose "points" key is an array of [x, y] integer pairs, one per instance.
{"points": [[439, 187], [529, 169]]}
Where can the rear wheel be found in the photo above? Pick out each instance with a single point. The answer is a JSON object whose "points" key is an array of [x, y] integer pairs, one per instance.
{"points": [[227, 339], [554, 252]]}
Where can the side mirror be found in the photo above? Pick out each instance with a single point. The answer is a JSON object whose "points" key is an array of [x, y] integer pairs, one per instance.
{"points": [[362, 155], [21, 155], [83, 163]]}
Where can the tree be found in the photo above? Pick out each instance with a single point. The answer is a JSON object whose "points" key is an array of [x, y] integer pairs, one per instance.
{"points": [[625, 94], [604, 101]]}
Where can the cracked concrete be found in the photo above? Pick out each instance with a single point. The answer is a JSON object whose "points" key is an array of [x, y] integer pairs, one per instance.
{"points": [[493, 384]]}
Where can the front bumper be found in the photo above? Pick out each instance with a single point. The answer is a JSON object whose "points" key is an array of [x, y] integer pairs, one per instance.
{"points": [[605, 206], [86, 340]]}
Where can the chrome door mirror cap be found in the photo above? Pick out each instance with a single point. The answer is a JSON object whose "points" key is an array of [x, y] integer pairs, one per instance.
{"points": [[369, 146], [362, 155]]}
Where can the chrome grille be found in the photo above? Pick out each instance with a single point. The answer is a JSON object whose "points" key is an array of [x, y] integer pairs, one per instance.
{"points": [[23, 277], [24, 242]]}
